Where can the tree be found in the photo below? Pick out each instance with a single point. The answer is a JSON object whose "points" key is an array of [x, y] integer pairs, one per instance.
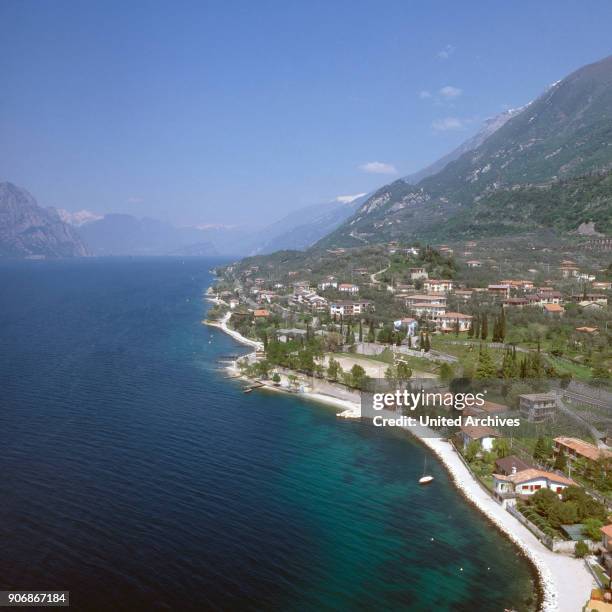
{"points": [[502, 324], [404, 372], [581, 549], [471, 450], [541, 450], [358, 377], [276, 378], [350, 336], [560, 462], [427, 346], [543, 501], [333, 341], [371, 335], [360, 331], [333, 369], [563, 514], [484, 333], [485, 368], [510, 367], [501, 447], [456, 327], [293, 380], [391, 375], [446, 372], [306, 361], [591, 528], [470, 331]]}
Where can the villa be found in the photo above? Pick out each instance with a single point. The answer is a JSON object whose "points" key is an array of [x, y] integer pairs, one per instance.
{"points": [[524, 483], [328, 283], [348, 288], [426, 305], [438, 286], [478, 433], [418, 273], [499, 290], [554, 310], [348, 308], [453, 321], [574, 448], [407, 324]]}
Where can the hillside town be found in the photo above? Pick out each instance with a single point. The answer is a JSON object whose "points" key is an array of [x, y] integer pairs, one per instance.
{"points": [[537, 332]]}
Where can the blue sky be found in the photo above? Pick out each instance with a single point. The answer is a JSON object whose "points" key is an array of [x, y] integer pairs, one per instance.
{"points": [[237, 112]]}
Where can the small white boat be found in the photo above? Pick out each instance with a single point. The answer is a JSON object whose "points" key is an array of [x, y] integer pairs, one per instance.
{"points": [[425, 478]]}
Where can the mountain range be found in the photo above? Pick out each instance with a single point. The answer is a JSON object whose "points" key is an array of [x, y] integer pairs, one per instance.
{"points": [[547, 164], [28, 230], [564, 134]]}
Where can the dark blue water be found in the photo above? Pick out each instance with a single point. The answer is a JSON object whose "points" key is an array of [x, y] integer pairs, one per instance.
{"points": [[137, 477]]}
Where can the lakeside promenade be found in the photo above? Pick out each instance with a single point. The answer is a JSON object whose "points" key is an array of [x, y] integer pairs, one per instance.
{"points": [[564, 581]]}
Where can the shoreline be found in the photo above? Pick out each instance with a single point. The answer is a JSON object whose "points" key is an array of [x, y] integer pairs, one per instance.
{"points": [[563, 583]]}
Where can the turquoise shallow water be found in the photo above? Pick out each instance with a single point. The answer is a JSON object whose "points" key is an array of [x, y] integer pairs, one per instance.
{"points": [[137, 477]]}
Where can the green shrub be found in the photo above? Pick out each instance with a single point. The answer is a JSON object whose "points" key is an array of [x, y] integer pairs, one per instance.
{"points": [[581, 549]]}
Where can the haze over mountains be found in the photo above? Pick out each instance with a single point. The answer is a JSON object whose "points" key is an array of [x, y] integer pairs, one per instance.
{"points": [[547, 164], [28, 230]]}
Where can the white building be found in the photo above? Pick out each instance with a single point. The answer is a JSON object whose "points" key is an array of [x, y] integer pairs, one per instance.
{"points": [[418, 273], [347, 308], [348, 288], [328, 283], [450, 320], [438, 286], [528, 482], [428, 306], [408, 324], [478, 433]]}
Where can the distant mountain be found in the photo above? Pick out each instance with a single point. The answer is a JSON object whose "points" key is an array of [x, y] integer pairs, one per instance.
{"points": [[28, 230], [118, 234], [490, 126], [121, 234], [565, 133], [300, 229], [76, 219]]}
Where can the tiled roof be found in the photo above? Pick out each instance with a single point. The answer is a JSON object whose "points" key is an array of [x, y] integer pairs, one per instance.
{"points": [[583, 448], [534, 474], [475, 432]]}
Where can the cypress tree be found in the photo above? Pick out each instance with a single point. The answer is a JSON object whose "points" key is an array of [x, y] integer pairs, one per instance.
{"points": [[484, 333], [502, 325], [360, 331]]}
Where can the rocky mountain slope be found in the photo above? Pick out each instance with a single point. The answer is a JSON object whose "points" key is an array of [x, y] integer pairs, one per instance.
{"points": [[566, 132], [28, 230], [489, 126]]}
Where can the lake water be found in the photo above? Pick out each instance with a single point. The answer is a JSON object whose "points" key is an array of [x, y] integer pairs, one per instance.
{"points": [[137, 477]]}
